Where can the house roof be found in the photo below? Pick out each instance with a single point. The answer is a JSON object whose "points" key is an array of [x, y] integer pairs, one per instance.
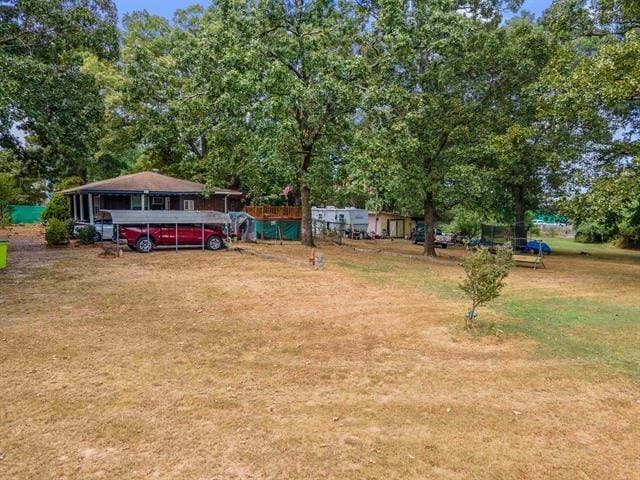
{"points": [[148, 182]]}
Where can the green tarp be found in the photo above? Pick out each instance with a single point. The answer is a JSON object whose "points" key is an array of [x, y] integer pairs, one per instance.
{"points": [[26, 213], [273, 229]]}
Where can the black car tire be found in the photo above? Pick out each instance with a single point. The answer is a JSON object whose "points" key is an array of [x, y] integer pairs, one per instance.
{"points": [[98, 237], [444, 245], [144, 245], [214, 242]]}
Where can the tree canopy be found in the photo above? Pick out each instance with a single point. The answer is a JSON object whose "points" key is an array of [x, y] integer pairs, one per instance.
{"points": [[438, 109], [50, 110]]}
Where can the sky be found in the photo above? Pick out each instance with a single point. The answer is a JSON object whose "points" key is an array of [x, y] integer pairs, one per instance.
{"points": [[166, 8]]}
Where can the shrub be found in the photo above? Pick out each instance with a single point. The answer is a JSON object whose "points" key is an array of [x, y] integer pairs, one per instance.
{"points": [[629, 234], [56, 208], [485, 274], [466, 222], [593, 232], [87, 235], [56, 232], [10, 194], [5, 215], [70, 224]]}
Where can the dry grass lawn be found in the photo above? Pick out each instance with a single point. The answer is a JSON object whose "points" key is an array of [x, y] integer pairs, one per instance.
{"points": [[221, 365]]}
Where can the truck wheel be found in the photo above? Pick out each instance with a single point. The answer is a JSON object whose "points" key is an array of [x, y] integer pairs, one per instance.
{"points": [[414, 240], [444, 245], [214, 242], [144, 245]]}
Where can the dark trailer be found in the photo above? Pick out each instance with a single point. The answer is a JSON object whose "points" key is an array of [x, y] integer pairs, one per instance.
{"points": [[149, 218]]}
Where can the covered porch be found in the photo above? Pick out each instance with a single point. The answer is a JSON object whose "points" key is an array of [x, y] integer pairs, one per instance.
{"points": [[148, 191], [85, 206]]}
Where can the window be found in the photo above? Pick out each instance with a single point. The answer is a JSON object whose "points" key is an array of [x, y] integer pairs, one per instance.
{"points": [[319, 216], [188, 205], [157, 203], [341, 217], [136, 202]]}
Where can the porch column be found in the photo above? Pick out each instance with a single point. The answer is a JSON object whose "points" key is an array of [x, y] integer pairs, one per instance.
{"points": [[142, 201], [90, 197], [75, 208], [81, 207]]}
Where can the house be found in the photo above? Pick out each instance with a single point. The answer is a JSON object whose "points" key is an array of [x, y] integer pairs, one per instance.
{"points": [[390, 225], [148, 191], [332, 218]]}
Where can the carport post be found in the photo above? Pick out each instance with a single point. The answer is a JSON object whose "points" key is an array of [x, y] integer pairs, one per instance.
{"points": [[147, 232], [203, 237], [117, 240], [176, 236]]}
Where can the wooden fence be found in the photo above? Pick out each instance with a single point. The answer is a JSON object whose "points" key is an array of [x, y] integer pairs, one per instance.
{"points": [[267, 211]]}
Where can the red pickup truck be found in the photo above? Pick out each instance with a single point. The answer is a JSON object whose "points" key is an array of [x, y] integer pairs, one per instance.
{"points": [[139, 239]]}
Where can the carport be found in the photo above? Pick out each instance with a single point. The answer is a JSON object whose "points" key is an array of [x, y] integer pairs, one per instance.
{"points": [[164, 217]]}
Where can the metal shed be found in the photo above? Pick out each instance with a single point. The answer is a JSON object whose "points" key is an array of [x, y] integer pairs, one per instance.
{"points": [[164, 217]]}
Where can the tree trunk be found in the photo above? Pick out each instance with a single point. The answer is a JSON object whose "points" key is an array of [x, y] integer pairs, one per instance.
{"points": [[306, 227], [520, 229], [429, 226]]}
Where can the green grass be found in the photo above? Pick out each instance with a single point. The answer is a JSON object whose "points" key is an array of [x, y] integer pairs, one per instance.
{"points": [[567, 324], [588, 329], [410, 273], [583, 329], [601, 251]]}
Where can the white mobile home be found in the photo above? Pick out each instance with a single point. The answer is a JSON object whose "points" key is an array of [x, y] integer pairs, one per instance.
{"points": [[331, 218]]}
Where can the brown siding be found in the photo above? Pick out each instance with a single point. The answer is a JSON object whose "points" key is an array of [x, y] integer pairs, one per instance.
{"points": [[115, 202], [215, 202], [123, 202], [234, 204]]}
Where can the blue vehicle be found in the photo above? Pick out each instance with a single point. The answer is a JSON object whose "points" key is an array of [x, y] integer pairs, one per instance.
{"points": [[534, 246]]}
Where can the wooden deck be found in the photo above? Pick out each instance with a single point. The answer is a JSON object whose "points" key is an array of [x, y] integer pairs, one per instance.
{"points": [[264, 212]]}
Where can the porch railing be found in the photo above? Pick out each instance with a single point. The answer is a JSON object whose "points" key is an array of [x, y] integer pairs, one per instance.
{"points": [[268, 211]]}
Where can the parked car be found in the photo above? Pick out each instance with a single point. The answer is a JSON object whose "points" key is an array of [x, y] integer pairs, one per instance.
{"points": [[143, 240], [104, 229], [440, 239]]}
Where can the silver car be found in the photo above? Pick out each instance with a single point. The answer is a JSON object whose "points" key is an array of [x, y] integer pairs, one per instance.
{"points": [[104, 229]]}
